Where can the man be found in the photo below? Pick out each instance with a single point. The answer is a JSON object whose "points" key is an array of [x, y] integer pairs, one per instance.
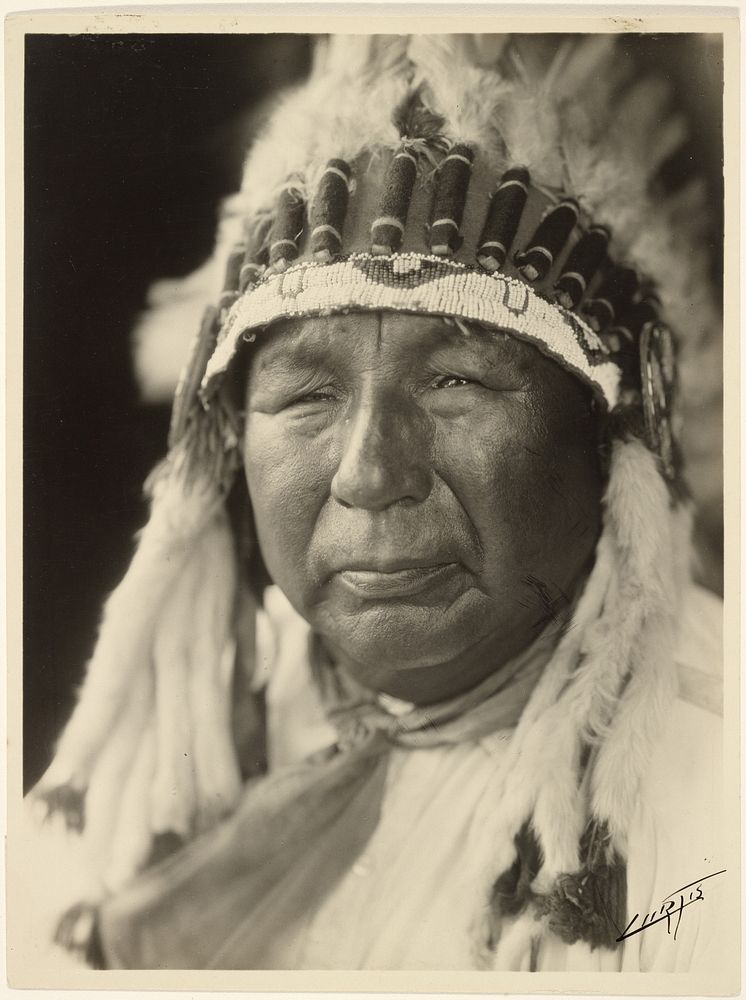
{"points": [[424, 503]]}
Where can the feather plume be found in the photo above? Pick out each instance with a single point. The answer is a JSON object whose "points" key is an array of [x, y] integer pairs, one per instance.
{"points": [[588, 63], [596, 179], [528, 119], [414, 120], [342, 112], [640, 109], [487, 49], [465, 94], [174, 308]]}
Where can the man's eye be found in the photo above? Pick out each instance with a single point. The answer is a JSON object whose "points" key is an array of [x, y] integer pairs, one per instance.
{"points": [[315, 396], [450, 382]]}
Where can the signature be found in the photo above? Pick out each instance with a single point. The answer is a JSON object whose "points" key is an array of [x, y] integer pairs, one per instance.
{"points": [[670, 909]]}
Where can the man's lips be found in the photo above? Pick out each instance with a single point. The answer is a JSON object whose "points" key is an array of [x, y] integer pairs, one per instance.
{"points": [[405, 581]]}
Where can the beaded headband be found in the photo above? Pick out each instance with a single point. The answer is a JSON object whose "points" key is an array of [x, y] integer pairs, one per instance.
{"points": [[425, 285]]}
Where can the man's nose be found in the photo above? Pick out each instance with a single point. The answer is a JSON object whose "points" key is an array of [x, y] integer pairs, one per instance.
{"points": [[386, 456]]}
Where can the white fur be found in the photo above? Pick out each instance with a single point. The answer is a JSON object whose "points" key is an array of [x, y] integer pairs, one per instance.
{"points": [[640, 611], [113, 766], [173, 793], [513, 952], [662, 573], [625, 753], [132, 836], [211, 651], [130, 617], [160, 654], [559, 814]]}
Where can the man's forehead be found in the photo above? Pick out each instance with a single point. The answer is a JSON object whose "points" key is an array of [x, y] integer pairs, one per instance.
{"points": [[341, 334]]}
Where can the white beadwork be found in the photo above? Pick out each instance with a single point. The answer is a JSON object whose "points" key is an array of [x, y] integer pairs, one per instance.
{"points": [[367, 282]]}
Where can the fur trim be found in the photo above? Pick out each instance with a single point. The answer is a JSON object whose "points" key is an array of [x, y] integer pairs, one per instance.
{"points": [[150, 736], [132, 834], [211, 650], [591, 905], [517, 941], [130, 618]]}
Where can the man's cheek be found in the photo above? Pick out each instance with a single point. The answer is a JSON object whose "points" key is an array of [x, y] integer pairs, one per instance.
{"points": [[277, 474], [284, 515]]}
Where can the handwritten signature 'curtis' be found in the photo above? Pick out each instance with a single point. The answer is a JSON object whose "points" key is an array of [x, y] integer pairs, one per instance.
{"points": [[671, 908]]}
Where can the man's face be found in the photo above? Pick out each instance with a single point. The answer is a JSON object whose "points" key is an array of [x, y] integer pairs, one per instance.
{"points": [[419, 493]]}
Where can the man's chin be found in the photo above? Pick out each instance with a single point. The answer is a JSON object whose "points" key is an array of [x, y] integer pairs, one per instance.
{"points": [[385, 638]]}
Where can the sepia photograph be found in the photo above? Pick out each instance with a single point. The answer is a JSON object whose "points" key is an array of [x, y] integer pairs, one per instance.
{"points": [[373, 540]]}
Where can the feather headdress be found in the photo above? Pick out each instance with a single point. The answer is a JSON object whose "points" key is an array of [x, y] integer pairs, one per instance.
{"points": [[510, 181]]}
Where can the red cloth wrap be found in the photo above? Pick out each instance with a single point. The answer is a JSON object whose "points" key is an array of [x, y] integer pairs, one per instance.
{"points": [[232, 277], [257, 255], [397, 194], [614, 294], [503, 218], [288, 225], [450, 199], [551, 234], [330, 209], [584, 260]]}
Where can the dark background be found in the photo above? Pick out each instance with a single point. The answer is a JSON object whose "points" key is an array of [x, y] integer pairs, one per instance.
{"points": [[130, 142]]}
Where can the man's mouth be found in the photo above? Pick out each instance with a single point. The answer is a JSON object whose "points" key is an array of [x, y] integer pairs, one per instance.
{"points": [[406, 581]]}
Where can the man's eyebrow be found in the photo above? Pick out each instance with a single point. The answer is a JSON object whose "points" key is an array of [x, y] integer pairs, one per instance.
{"points": [[288, 347], [512, 348], [283, 349]]}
